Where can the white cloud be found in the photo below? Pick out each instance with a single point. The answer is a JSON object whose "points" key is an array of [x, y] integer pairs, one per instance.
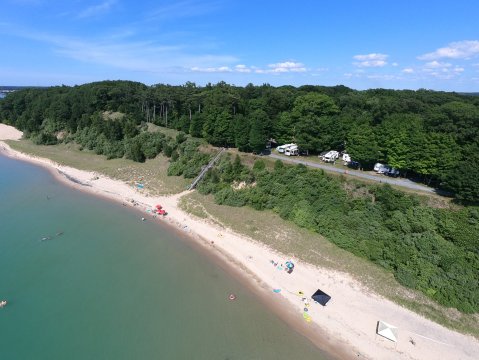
{"points": [[287, 66], [370, 60], [221, 69], [372, 56], [444, 73], [395, 64], [276, 68], [373, 63], [382, 77], [242, 68], [97, 9], [455, 50], [408, 70], [436, 65]]}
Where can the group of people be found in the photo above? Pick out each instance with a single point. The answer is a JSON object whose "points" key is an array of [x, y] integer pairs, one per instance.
{"points": [[289, 266]]}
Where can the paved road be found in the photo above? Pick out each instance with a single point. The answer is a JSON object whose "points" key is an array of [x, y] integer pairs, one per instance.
{"points": [[360, 174]]}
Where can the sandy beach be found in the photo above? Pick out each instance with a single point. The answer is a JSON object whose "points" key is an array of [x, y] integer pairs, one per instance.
{"points": [[345, 327]]}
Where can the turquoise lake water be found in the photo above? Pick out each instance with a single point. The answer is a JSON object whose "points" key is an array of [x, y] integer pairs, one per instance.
{"points": [[110, 286]]}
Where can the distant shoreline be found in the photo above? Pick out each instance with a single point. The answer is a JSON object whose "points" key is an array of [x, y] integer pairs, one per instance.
{"points": [[345, 328]]}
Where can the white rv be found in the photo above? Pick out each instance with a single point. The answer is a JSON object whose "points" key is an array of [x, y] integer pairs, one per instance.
{"points": [[282, 148], [292, 150]]}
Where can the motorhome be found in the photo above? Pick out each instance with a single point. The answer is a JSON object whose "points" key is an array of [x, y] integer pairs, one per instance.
{"points": [[330, 156], [292, 150], [282, 148]]}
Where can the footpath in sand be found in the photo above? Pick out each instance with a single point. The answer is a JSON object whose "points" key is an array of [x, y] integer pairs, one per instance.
{"points": [[346, 326]]}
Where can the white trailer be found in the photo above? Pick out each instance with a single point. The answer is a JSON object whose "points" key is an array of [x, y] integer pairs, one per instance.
{"points": [[292, 150], [330, 156]]}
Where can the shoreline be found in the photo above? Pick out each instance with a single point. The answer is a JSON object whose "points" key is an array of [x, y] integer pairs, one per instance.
{"points": [[345, 328]]}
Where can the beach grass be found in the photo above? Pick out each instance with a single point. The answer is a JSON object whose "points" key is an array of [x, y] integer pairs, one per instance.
{"points": [[152, 173], [268, 228]]}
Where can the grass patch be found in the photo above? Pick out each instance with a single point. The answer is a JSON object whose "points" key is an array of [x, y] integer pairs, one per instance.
{"points": [[192, 207], [167, 131], [268, 228], [152, 173]]}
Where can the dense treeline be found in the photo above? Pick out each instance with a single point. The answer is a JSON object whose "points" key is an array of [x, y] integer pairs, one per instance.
{"points": [[429, 135], [433, 250]]}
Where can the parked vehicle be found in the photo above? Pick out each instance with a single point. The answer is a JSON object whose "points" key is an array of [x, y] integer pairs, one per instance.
{"points": [[354, 165], [386, 170], [346, 158], [393, 172], [383, 169], [282, 148], [378, 166], [330, 156], [292, 150]]}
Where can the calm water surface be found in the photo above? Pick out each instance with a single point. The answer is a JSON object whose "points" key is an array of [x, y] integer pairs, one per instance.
{"points": [[105, 285]]}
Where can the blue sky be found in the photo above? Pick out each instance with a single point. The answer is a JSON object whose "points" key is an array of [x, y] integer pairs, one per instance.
{"points": [[401, 44]]}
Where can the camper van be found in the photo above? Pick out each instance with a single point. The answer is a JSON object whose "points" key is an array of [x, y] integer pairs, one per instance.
{"points": [[292, 150]]}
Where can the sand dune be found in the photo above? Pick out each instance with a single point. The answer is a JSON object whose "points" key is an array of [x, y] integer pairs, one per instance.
{"points": [[9, 133], [346, 326]]}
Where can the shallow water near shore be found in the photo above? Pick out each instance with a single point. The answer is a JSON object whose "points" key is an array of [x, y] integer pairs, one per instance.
{"points": [[87, 279]]}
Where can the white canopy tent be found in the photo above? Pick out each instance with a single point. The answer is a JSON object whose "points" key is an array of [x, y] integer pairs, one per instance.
{"points": [[388, 331]]}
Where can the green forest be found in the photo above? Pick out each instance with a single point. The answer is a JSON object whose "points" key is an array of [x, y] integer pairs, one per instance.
{"points": [[432, 136], [428, 135]]}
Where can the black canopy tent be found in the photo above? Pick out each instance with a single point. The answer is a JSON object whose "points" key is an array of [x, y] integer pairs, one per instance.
{"points": [[321, 297]]}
